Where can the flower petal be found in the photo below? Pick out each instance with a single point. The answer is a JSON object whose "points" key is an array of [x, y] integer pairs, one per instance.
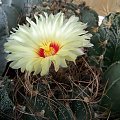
{"points": [[45, 65]]}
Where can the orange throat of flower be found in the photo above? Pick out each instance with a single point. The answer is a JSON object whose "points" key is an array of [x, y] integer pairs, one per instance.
{"points": [[48, 50]]}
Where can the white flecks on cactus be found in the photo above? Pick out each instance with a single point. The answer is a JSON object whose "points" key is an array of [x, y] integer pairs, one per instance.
{"points": [[0, 2]]}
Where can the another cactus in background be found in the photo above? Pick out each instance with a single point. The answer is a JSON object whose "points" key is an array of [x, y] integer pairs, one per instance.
{"points": [[111, 97], [105, 55], [106, 42]]}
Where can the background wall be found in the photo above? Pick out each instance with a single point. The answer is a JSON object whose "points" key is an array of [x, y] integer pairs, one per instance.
{"points": [[103, 7]]}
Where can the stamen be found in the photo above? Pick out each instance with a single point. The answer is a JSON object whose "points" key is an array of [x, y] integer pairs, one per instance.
{"points": [[51, 50]]}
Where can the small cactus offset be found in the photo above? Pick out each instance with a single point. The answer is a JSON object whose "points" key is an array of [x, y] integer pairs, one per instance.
{"points": [[86, 90]]}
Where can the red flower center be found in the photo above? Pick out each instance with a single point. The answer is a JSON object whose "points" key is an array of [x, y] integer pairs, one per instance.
{"points": [[50, 50]]}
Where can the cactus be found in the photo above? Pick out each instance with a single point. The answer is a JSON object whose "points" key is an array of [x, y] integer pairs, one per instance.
{"points": [[9, 17], [70, 93], [47, 101], [6, 104], [105, 53], [3, 35], [111, 98], [106, 42]]}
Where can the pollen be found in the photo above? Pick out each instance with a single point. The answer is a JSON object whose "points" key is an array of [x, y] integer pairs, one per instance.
{"points": [[49, 50]]}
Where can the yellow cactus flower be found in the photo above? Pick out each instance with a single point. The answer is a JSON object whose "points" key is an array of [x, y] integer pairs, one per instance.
{"points": [[52, 39]]}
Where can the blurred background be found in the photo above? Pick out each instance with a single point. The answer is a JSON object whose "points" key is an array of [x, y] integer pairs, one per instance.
{"points": [[103, 7]]}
